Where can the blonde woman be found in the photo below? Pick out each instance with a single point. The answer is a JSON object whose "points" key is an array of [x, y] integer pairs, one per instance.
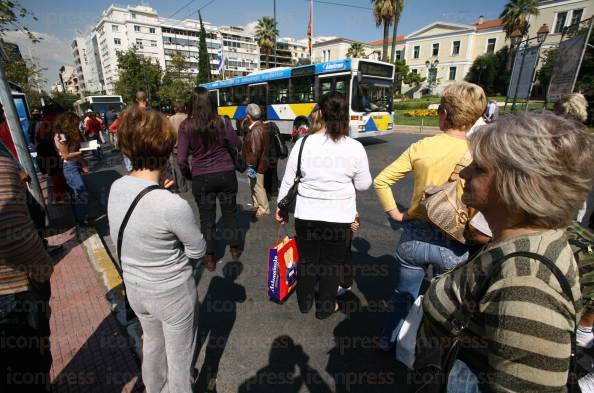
{"points": [[573, 105], [432, 160]]}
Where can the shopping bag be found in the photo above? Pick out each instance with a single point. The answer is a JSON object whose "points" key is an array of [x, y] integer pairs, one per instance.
{"points": [[407, 337], [283, 259]]}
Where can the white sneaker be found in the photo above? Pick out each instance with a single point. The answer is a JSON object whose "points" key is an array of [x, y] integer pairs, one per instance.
{"points": [[341, 291]]}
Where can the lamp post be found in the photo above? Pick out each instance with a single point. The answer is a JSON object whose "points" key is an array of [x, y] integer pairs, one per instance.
{"points": [[540, 36], [432, 73]]}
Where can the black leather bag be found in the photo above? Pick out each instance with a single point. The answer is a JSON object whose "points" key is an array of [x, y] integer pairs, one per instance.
{"points": [[238, 160], [288, 201]]}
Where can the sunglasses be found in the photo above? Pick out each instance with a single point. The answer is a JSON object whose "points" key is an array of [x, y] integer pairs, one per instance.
{"points": [[440, 108]]}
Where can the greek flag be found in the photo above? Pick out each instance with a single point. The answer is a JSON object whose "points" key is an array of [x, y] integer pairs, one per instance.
{"points": [[220, 58]]}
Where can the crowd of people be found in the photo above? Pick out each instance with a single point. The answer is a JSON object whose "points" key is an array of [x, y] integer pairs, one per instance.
{"points": [[492, 198]]}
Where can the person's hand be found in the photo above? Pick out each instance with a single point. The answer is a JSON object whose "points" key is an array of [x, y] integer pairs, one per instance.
{"points": [[168, 183], [25, 178], [280, 217], [355, 225], [251, 172], [85, 169], [397, 215]]}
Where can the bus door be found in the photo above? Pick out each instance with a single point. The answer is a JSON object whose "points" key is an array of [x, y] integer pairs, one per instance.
{"points": [[215, 95], [258, 93], [340, 83]]}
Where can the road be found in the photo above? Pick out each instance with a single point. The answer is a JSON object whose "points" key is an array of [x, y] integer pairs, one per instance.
{"points": [[264, 346]]}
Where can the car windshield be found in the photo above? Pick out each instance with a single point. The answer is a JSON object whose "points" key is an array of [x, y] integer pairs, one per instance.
{"points": [[373, 98]]}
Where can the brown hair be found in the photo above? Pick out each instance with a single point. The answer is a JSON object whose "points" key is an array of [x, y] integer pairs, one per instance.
{"points": [[335, 115], [67, 123], [203, 117], [465, 103], [146, 138]]}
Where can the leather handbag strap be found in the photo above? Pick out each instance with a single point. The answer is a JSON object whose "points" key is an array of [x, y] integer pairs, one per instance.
{"points": [[298, 173], [128, 214]]}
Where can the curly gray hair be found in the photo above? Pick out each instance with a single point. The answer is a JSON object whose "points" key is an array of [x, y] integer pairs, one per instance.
{"points": [[543, 164]]}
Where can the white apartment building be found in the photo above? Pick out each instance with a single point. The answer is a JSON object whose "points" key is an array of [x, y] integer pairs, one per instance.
{"points": [[86, 65], [241, 52], [289, 52]]}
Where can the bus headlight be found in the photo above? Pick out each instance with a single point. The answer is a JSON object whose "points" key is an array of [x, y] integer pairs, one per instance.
{"points": [[362, 127]]}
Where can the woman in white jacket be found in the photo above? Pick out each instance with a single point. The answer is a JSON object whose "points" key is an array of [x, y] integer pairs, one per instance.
{"points": [[333, 168]]}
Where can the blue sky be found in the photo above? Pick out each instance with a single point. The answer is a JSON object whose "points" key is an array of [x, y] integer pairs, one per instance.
{"points": [[60, 19]]}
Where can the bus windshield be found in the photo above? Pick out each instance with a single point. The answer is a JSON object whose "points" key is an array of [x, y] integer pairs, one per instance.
{"points": [[103, 107], [371, 96]]}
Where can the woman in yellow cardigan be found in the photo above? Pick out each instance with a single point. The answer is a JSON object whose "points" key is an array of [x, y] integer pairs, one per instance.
{"points": [[432, 160]]}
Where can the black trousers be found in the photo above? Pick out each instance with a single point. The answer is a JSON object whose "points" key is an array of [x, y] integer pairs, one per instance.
{"points": [[322, 253], [271, 181], [207, 189]]}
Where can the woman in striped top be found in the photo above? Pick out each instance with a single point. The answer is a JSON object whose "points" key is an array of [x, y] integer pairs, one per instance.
{"points": [[529, 177]]}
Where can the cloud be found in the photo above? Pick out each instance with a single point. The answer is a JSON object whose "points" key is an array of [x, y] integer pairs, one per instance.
{"points": [[251, 27], [51, 53]]}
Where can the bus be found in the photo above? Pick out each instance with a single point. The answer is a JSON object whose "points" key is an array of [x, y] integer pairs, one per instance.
{"points": [[99, 104], [290, 94]]}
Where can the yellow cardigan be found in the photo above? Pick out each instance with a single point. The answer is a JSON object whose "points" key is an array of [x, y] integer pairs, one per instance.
{"points": [[432, 160]]}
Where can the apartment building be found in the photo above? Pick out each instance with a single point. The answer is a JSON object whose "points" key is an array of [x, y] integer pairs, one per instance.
{"points": [[289, 52], [68, 79], [241, 52]]}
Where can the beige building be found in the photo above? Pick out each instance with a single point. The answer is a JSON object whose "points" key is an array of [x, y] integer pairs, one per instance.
{"points": [[443, 52], [337, 48], [68, 80], [558, 14]]}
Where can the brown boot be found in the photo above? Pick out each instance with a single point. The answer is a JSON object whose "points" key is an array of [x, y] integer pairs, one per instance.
{"points": [[236, 253], [210, 263]]}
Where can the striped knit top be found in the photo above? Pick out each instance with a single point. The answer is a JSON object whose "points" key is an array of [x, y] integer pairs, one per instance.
{"points": [[21, 250], [523, 326]]}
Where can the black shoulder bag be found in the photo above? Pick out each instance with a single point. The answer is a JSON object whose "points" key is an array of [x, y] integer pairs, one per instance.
{"points": [[238, 160], [129, 313], [288, 201]]}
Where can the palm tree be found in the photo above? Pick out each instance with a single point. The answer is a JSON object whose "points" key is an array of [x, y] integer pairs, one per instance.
{"points": [[383, 12], [266, 33], [398, 8], [356, 50], [515, 17]]}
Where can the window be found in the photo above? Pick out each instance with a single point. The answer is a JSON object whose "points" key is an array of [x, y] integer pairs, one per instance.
{"points": [[258, 94], [302, 90], [414, 71], [435, 51], [153, 43], [560, 23], [117, 41], [152, 30], [417, 50], [114, 27], [398, 55], [240, 96], [491, 45], [452, 74], [139, 42], [225, 97], [278, 92], [136, 28], [342, 86], [456, 48], [576, 16], [325, 86]]}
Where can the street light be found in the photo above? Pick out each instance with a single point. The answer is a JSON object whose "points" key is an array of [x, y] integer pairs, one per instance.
{"points": [[432, 72], [516, 37], [542, 33]]}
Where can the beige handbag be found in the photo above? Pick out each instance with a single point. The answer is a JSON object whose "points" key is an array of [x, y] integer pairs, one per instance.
{"points": [[443, 206]]}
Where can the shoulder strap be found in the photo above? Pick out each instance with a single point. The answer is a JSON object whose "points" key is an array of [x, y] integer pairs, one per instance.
{"points": [[298, 173], [129, 213]]}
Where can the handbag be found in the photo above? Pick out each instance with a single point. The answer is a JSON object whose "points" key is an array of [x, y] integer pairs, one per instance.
{"points": [[238, 160], [447, 356], [407, 336], [283, 259], [129, 312], [287, 202], [443, 206]]}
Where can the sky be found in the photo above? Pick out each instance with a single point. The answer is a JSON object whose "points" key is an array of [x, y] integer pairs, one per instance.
{"points": [[59, 20]]}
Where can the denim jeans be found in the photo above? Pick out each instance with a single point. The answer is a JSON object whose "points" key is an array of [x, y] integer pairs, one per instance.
{"points": [[421, 244], [462, 379], [75, 182]]}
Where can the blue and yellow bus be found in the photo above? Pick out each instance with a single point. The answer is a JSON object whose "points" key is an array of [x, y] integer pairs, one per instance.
{"points": [[290, 94]]}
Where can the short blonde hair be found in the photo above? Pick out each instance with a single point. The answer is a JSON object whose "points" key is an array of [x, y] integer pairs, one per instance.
{"points": [[146, 138], [573, 105], [543, 164], [465, 103]]}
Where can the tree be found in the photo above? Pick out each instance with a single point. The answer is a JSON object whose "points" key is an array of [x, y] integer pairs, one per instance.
{"points": [[177, 82], [403, 74], [64, 99], [488, 71], [383, 12], [11, 12], [203, 57], [27, 74], [136, 73], [515, 17], [398, 8], [266, 33], [356, 50]]}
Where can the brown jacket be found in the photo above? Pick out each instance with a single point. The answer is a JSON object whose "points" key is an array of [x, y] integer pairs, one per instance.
{"points": [[256, 144]]}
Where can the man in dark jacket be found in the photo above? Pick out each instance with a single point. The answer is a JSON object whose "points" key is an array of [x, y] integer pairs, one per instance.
{"points": [[255, 150]]}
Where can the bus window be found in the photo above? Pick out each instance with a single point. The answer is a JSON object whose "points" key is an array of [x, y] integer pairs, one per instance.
{"points": [[342, 86], [258, 94], [279, 92], [240, 95], [213, 95], [225, 97], [325, 86], [302, 90]]}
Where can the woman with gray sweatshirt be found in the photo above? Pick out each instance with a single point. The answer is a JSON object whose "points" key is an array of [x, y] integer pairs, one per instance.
{"points": [[156, 250]]}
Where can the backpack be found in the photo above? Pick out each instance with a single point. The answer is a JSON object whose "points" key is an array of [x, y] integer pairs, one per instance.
{"points": [[278, 148]]}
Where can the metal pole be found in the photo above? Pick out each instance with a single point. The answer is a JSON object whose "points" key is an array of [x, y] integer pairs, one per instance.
{"points": [[275, 59], [16, 132], [513, 108], [533, 76]]}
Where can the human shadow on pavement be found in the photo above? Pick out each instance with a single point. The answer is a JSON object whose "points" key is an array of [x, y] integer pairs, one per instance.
{"points": [[217, 316], [245, 219], [280, 376]]}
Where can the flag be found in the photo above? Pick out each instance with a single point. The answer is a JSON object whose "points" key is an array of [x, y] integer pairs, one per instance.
{"points": [[220, 58], [310, 27]]}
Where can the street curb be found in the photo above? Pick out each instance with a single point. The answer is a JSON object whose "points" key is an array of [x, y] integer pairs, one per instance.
{"points": [[417, 130], [111, 280]]}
